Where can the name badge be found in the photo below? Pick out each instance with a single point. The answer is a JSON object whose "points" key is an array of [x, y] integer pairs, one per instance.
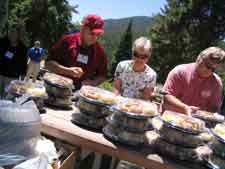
{"points": [[9, 55], [82, 58]]}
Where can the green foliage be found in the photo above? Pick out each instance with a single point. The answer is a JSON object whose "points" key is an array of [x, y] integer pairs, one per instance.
{"points": [[45, 20], [182, 30], [107, 85], [124, 50]]}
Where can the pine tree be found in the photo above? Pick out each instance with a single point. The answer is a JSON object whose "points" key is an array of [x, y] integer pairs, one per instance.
{"points": [[124, 50], [183, 29], [44, 20]]}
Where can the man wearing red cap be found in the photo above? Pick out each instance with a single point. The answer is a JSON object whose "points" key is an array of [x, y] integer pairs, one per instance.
{"points": [[79, 55]]}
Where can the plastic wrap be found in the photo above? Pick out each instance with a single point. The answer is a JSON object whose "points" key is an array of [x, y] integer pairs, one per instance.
{"points": [[59, 102], [135, 108], [18, 88], [211, 119], [19, 128], [218, 143], [183, 122], [121, 136], [130, 124], [58, 80], [88, 121], [178, 137], [97, 96], [58, 92]]}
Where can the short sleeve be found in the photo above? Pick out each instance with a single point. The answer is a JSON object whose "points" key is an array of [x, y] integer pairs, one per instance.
{"points": [[152, 81], [119, 71], [174, 83]]}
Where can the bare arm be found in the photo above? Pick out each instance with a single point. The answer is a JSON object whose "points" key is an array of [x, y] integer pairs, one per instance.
{"points": [[147, 93], [178, 105], [73, 72], [94, 82], [117, 87]]}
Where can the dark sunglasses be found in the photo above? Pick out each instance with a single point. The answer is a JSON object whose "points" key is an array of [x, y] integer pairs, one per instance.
{"points": [[140, 56]]}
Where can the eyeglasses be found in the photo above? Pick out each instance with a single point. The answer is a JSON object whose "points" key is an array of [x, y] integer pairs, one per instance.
{"points": [[140, 56], [209, 65]]}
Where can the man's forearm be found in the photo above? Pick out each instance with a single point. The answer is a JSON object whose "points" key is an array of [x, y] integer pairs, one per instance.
{"points": [[177, 104], [55, 67]]}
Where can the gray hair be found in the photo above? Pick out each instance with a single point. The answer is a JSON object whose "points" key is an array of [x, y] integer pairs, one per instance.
{"points": [[142, 42], [37, 42], [215, 53]]}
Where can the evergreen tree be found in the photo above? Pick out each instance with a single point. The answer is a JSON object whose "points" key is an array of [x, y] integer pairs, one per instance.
{"points": [[45, 20], [124, 50], [183, 29]]}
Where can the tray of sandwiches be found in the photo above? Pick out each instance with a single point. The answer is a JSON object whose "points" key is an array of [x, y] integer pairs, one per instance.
{"points": [[135, 108], [219, 132], [210, 118], [18, 88], [122, 136], [183, 122], [129, 124], [179, 137], [58, 80], [218, 143], [97, 96]]}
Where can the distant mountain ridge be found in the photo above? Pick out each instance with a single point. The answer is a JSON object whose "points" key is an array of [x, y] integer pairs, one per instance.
{"points": [[114, 28]]}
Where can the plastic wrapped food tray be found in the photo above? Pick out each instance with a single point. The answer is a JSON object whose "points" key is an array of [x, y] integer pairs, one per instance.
{"points": [[135, 108], [58, 92], [97, 96], [211, 119], [178, 137], [124, 137], [88, 121], [130, 124], [58, 80], [183, 122]]}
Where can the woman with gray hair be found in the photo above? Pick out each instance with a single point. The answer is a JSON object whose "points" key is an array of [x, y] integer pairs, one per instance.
{"points": [[134, 78], [194, 86]]}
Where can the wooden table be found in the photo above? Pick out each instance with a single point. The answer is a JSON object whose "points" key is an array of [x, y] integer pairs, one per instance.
{"points": [[57, 123]]}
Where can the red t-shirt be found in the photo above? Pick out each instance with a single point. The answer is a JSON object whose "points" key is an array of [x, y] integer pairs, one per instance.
{"points": [[184, 83], [66, 51]]}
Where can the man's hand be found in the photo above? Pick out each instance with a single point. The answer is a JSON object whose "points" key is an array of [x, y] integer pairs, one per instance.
{"points": [[190, 109], [74, 72]]}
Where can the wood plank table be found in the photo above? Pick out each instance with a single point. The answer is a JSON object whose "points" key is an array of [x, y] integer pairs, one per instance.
{"points": [[57, 123]]}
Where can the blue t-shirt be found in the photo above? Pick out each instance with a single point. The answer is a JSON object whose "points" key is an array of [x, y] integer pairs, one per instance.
{"points": [[35, 54]]}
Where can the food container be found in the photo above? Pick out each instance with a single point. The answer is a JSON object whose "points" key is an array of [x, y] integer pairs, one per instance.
{"points": [[218, 143], [35, 91], [211, 119], [88, 121], [58, 91], [214, 162], [130, 124], [135, 108], [183, 122], [95, 101], [58, 80], [179, 137], [65, 102], [175, 151], [97, 96], [124, 137]]}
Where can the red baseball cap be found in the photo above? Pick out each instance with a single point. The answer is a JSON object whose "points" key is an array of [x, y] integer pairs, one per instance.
{"points": [[94, 22]]}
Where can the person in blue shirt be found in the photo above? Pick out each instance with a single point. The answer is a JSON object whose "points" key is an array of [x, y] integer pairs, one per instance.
{"points": [[35, 55]]}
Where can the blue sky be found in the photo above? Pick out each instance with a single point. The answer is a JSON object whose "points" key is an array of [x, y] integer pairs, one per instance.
{"points": [[111, 9]]}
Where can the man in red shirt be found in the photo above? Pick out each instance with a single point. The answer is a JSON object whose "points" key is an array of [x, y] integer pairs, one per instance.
{"points": [[194, 86], [79, 55]]}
